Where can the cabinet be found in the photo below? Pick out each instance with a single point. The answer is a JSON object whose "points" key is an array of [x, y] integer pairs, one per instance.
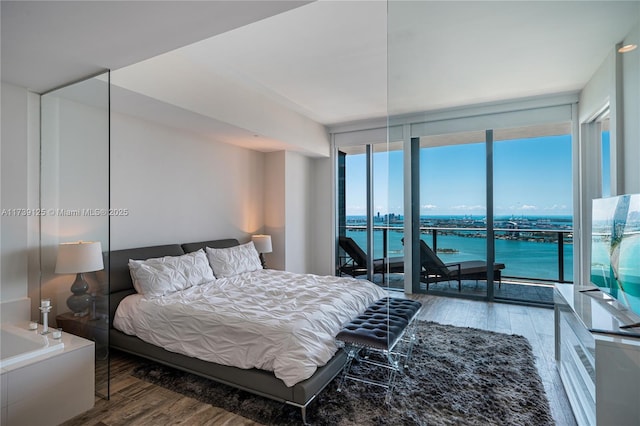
{"points": [[51, 388], [599, 363]]}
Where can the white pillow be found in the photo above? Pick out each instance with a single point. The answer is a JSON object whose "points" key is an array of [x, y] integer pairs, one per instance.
{"points": [[164, 275], [231, 261]]}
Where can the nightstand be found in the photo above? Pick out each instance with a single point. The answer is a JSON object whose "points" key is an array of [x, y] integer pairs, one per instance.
{"points": [[92, 329]]}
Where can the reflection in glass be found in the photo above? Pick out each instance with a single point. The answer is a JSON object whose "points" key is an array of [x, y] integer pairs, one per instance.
{"points": [[388, 199], [385, 193], [74, 193]]}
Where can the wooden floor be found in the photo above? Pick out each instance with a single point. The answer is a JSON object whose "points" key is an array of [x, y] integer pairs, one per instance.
{"points": [[136, 402]]}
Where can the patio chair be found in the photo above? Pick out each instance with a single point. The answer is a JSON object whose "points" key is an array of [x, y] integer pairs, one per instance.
{"points": [[355, 263], [435, 270]]}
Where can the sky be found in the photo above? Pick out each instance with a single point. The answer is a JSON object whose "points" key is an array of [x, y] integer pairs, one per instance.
{"points": [[532, 177]]}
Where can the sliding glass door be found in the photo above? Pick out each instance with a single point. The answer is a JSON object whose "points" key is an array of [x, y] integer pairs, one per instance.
{"points": [[491, 211], [453, 209], [501, 197], [533, 219]]}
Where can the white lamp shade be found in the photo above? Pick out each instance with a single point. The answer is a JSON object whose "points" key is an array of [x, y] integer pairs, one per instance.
{"points": [[82, 256], [262, 243]]}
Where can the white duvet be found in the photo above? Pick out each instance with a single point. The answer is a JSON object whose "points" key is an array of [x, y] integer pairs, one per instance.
{"points": [[272, 320]]}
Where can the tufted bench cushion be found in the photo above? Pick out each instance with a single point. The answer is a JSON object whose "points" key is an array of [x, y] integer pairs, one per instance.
{"points": [[378, 329], [380, 326], [372, 330], [402, 308]]}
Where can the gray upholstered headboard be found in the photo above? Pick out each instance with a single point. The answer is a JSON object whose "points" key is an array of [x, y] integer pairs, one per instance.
{"points": [[120, 284], [191, 247]]}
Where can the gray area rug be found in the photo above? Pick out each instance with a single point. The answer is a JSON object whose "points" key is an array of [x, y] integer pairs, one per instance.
{"points": [[457, 376]]}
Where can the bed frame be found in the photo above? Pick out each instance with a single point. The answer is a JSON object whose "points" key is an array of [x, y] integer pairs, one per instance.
{"points": [[260, 382]]}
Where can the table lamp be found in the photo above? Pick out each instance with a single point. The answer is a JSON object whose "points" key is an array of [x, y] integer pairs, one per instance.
{"points": [[263, 245], [77, 258]]}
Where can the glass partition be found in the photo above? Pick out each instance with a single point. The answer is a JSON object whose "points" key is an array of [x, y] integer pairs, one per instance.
{"points": [[364, 216], [469, 190], [74, 226], [388, 212], [352, 214]]}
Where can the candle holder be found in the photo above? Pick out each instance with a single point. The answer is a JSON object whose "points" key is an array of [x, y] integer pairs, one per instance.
{"points": [[45, 308]]}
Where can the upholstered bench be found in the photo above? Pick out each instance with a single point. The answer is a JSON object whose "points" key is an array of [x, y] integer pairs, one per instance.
{"points": [[403, 308], [372, 330], [379, 329]]}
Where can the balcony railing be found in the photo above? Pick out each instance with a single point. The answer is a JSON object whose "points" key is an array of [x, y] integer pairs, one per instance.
{"points": [[549, 248]]}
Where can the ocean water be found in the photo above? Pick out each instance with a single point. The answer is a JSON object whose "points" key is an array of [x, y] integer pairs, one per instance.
{"points": [[525, 259]]}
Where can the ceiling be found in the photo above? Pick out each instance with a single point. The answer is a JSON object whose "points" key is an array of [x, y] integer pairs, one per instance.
{"points": [[331, 61], [46, 44], [327, 62]]}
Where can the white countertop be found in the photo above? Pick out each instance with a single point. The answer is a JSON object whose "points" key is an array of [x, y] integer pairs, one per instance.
{"points": [[71, 343], [599, 312]]}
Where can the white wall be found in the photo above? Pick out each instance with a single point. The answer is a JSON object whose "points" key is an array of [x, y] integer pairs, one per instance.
{"points": [[298, 197], [14, 192], [19, 173], [601, 90], [234, 104], [596, 95], [179, 187], [274, 187], [631, 106], [321, 245], [299, 212]]}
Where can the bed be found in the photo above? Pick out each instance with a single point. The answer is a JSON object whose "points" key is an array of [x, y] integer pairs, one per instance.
{"points": [[273, 378]]}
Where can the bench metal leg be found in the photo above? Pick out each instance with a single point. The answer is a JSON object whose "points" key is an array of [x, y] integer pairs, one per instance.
{"points": [[394, 340], [392, 364], [351, 355]]}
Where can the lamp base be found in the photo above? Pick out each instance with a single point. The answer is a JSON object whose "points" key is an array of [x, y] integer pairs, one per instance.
{"points": [[264, 264], [79, 304], [79, 301]]}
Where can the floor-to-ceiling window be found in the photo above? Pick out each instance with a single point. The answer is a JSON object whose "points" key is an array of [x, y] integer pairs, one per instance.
{"points": [[453, 208], [533, 214], [500, 194]]}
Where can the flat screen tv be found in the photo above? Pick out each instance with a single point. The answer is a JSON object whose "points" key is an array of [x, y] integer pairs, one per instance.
{"points": [[615, 248]]}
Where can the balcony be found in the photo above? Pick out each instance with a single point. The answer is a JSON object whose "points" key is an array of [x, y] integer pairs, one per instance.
{"points": [[535, 258]]}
